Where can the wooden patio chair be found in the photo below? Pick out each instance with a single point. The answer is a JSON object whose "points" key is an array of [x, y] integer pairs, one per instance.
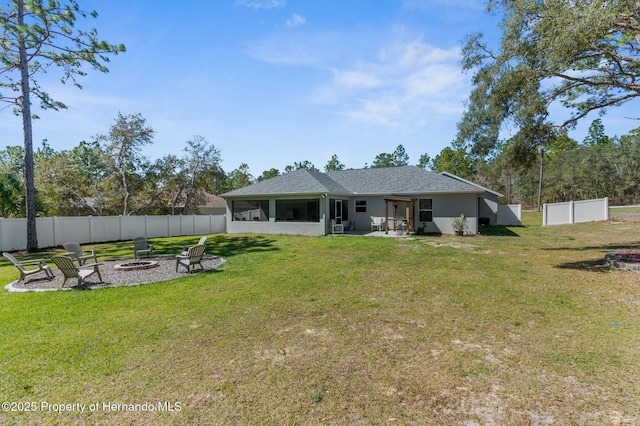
{"points": [[40, 264], [71, 270], [192, 258], [75, 251], [184, 250], [141, 246]]}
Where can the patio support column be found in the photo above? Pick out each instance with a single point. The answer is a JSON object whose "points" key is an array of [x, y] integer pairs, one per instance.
{"points": [[408, 217], [413, 210], [386, 216]]}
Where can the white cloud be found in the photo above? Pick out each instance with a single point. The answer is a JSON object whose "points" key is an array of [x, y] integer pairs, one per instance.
{"points": [[405, 83], [352, 79], [262, 4], [394, 83], [296, 21]]}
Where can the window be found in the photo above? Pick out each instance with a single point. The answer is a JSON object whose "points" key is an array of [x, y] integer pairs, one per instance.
{"points": [[361, 206], [298, 210], [254, 210], [425, 210]]}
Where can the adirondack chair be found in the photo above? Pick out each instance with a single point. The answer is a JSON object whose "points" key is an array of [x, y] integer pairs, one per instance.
{"points": [[183, 252], [140, 246], [192, 258], [71, 270], [75, 251], [41, 266]]}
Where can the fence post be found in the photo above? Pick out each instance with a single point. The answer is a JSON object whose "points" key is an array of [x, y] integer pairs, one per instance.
{"points": [[572, 218], [606, 208], [544, 214], [53, 231]]}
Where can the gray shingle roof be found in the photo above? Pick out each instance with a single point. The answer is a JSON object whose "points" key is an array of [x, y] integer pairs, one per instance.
{"points": [[301, 181], [398, 180], [373, 181]]}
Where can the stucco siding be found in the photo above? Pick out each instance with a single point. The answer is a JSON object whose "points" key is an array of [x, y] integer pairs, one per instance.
{"points": [[447, 207], [488, 208], [375, 207]]}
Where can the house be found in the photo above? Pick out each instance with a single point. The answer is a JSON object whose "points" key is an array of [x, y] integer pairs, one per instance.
{"points": [[409, 198], [209, 204], [212, 205]]}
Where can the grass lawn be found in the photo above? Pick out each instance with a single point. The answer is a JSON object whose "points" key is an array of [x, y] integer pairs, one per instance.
{"points": [[523, 325]]}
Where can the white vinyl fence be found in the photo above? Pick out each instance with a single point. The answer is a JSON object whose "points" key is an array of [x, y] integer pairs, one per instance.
{"points": [[55, 231], [510, 215], [575, 211]]}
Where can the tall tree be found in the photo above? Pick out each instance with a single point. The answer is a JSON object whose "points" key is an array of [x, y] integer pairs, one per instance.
{"points": [[454, 160], [268, 174], [240, 177], [200, 158], [384, 159], [35, 35], [12, 160], [11, 196], [424, 161], [596, 135], [398, 158], [70, 180], [583, 54], [334, 164], [306, 164], [124, 142]]}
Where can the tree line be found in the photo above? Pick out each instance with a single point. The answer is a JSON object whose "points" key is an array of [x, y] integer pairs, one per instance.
{"points": [[109, 175], [599, 166]]}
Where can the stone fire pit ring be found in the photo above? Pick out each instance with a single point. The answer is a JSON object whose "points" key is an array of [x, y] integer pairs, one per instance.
{"points": [[136, 265]]}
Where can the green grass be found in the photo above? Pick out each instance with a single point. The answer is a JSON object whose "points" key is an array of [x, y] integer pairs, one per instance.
{"points": [[522, 326]]}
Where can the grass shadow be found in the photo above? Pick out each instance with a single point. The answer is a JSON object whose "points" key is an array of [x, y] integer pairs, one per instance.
{"points": [[594, 265], [223, 245], [604, 247], [497, 231]]}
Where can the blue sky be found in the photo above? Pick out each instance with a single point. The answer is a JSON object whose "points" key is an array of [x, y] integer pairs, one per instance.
{"points": [[273, 82]]}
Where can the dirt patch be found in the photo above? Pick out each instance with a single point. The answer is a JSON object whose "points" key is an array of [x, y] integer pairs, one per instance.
{"points": [[450, 244], [625, 216]]}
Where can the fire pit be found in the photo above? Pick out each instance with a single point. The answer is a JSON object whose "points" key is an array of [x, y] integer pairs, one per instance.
{"points": [[138, 264], [628, 260]]}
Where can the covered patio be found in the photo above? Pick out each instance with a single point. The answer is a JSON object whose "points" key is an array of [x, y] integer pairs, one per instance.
{"points": [[408, 224]]}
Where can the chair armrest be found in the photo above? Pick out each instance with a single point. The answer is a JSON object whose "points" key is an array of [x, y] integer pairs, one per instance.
{"points": [[86, 265], [34, 262]]}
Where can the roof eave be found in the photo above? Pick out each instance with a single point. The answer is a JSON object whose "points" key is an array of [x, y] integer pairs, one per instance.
{"points": [[452, 176]]}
